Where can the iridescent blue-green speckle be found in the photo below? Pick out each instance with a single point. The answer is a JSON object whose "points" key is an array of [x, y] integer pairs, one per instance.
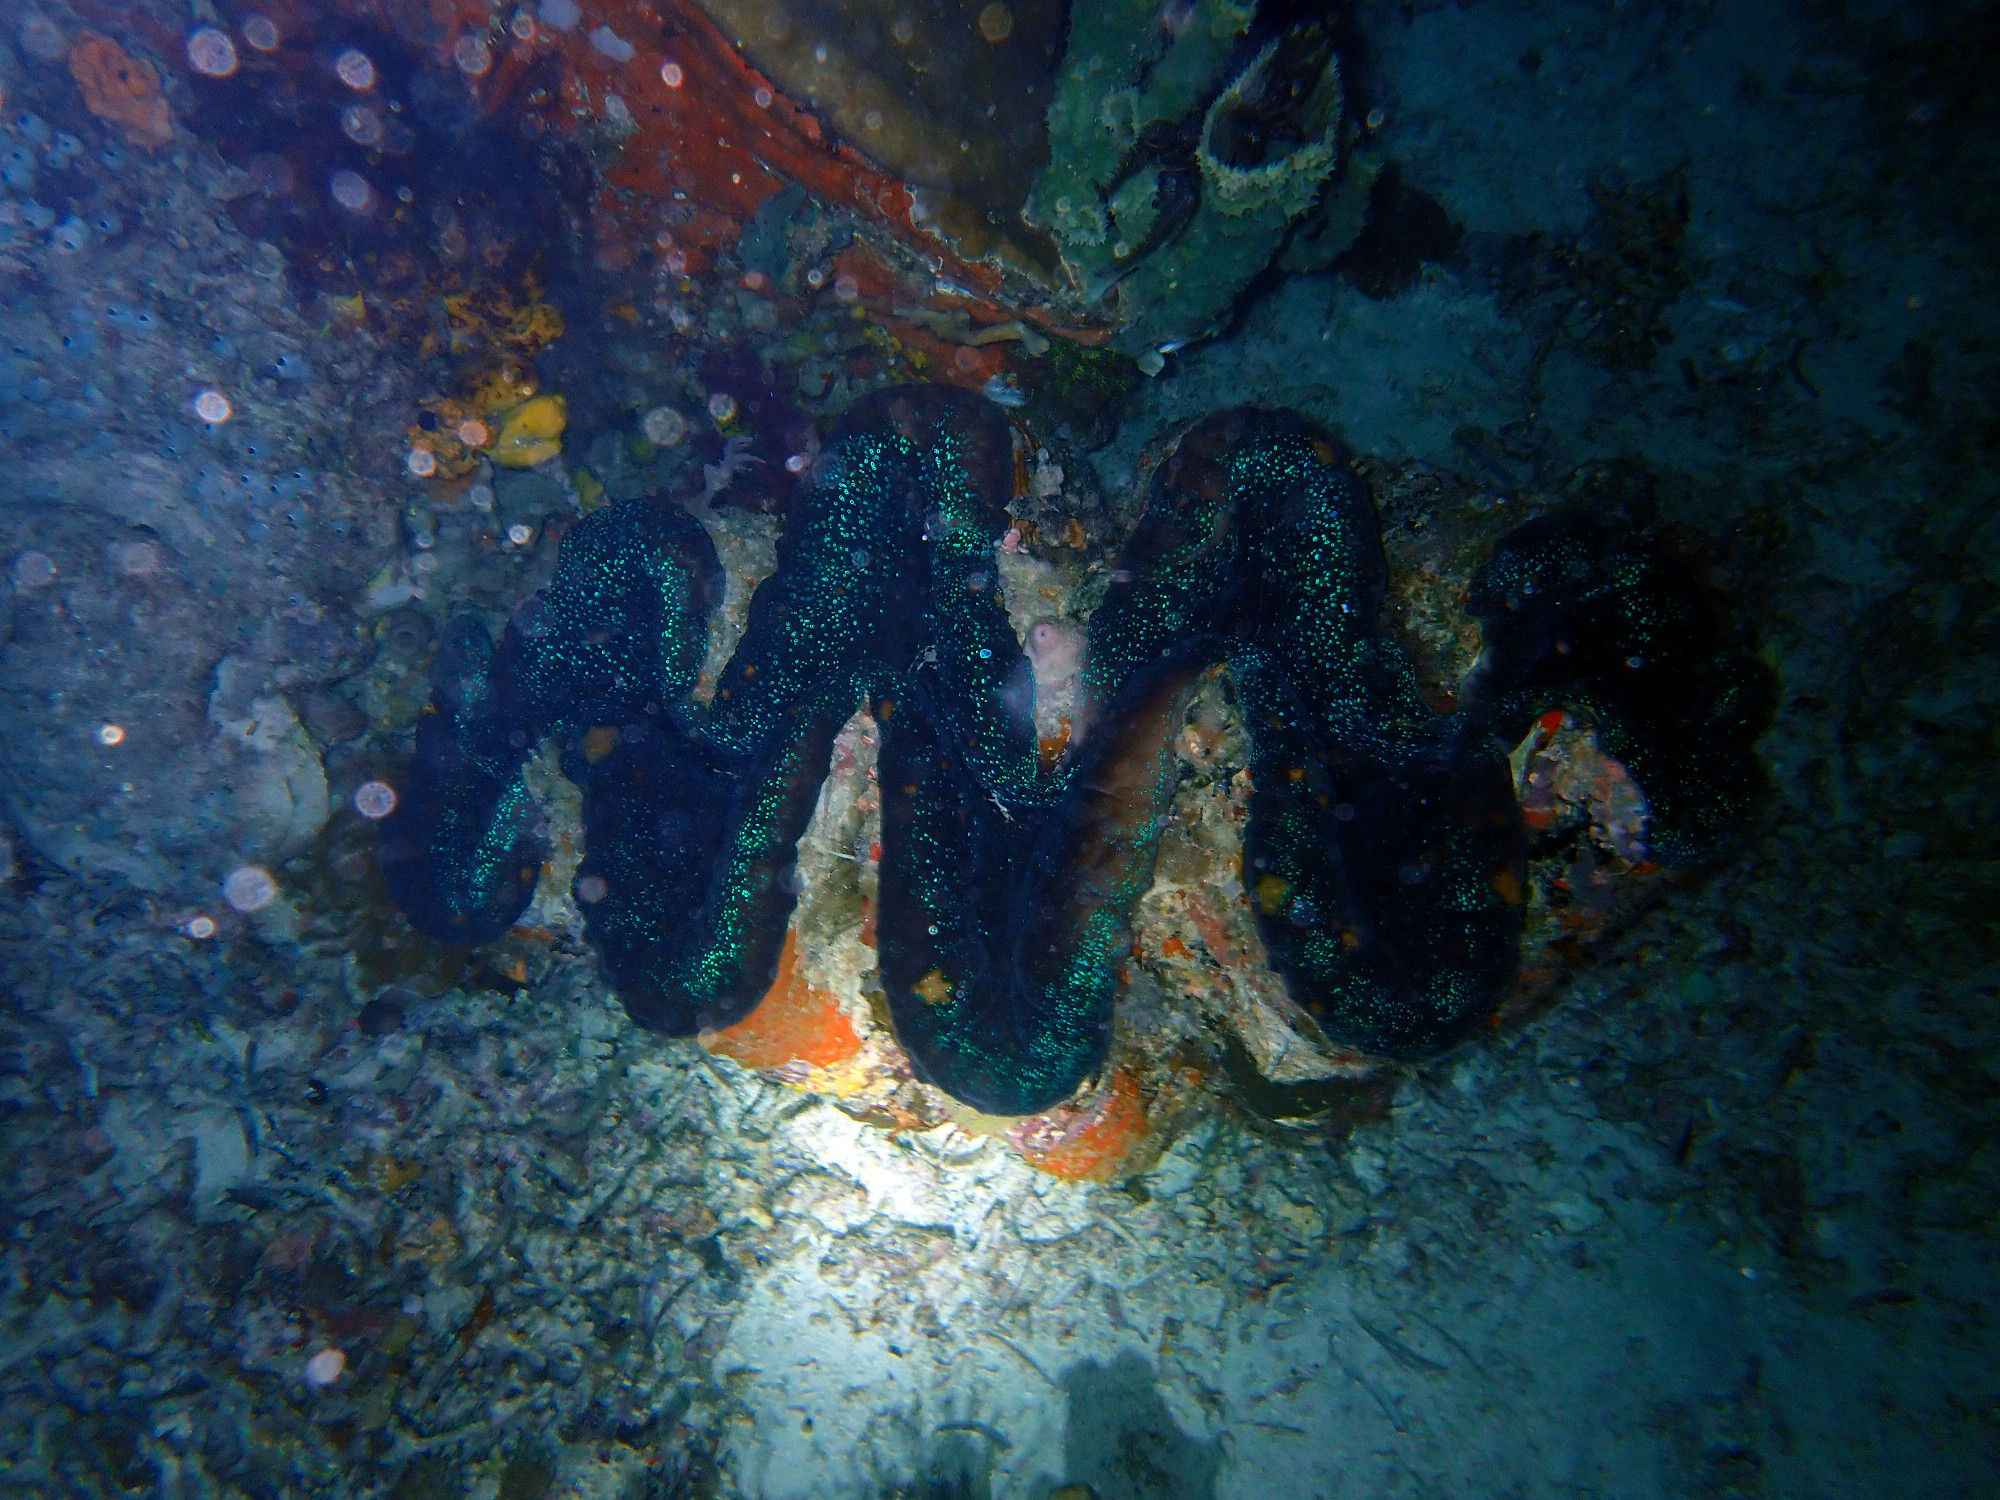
{"points": [[1384, 854]]}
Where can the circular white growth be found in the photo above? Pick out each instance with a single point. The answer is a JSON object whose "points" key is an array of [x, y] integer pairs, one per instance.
{"points": [[350, 190], [211, 52], [249, 889], [325, 1367], [212, 407], [664, 427], [374, 799], [355, 69], [34, 570], [361, 125], [136, 559], [43, 39], [261, 32], [473, 54]]}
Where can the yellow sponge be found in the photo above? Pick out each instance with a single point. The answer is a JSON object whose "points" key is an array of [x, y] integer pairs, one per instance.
{"points": [[531, 433]]}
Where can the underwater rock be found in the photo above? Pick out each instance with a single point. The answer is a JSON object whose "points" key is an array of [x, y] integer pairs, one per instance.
{"points": [[1384, 851], [188, 499], [132, 754], [278, 789]]}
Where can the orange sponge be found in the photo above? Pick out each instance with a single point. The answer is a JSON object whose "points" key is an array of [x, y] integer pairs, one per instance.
{"points": [[795, 1022], [1092, 1139], [123, 90]]}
